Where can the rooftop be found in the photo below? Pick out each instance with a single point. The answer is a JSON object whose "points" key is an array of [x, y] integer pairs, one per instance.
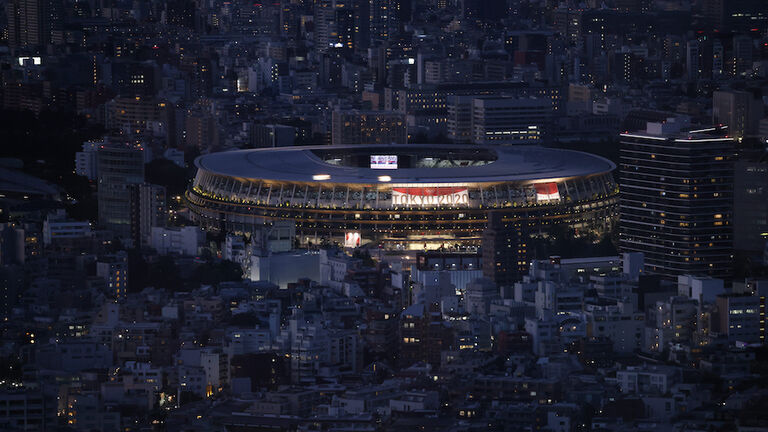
{"points": [[304, 164]]}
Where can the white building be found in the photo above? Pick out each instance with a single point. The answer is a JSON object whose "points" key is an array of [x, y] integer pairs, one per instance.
{"points": [[57, 227], [183, 241], [703, 289], [85, 160]]}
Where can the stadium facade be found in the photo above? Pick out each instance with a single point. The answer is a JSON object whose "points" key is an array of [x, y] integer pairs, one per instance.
{"points": [[402, 196]]}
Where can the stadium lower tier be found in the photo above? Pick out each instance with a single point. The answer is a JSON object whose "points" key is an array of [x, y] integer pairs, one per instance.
{"points": [[407, 217]]}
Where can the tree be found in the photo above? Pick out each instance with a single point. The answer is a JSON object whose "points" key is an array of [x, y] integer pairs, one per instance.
{"points": [[166, 173]]}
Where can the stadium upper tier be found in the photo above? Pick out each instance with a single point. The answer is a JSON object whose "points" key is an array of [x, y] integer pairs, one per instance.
{"points": [[402, 194], [403, 164]]}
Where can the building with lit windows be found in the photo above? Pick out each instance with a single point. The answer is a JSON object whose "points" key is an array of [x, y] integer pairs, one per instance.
{"points": [[677, 198], [368, 127], [401, 196]]}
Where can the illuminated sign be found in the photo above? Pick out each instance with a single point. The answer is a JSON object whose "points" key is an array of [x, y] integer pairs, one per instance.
{"points": [[546, 192], [430, 196], [352, 239], [384, 161]]}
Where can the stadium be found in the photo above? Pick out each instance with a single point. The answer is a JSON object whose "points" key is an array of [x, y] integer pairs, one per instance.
{"points": [[402, 196]]}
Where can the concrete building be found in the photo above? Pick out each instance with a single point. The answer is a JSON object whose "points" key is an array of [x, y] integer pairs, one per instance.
{"points": [[114, 270], [120, 166], [368, 127], [750, 204], [183, 241], [58, 227], [498, 120], [676, 199], [739, 110], [149, 210], [739, 318]]}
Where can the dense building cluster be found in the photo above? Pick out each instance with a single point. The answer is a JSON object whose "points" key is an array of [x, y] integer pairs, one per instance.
{"points": [[383, 215]]}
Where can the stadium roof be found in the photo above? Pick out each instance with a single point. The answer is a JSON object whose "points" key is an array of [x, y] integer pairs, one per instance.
{"points": [[302, 164]]}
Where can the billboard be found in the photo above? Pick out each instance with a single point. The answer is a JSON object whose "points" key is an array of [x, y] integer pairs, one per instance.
{"points": [[352, 239], [430, 196], [383, 161], [546, 192]]}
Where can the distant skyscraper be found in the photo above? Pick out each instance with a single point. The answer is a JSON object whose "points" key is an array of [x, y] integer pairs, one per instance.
{"points": [[505, 257], [693, 60], [741, 111], [742, 55], [30, 22], [120, 166], [750, 229], [386, 17], [338, 24], [509, 120], [677, 199], [368, 127], [148, 209]]}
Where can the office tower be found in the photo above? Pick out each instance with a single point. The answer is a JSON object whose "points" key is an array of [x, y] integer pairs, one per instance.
{"points": [[201, 130], [718, 59], [141, 115], [676, 198], [114, 270], [148, 209], [672, 321], [693, 60], [740, 317], [509, 120], [735, 15], [380, 20], [505, 257], [568, 22], [422, 338], [338, 24], [30, 22], [368, 127], [742, 55], [12, 242], [181, 13], [120, 166], [740, 111], [484, 11], [750, 210]]}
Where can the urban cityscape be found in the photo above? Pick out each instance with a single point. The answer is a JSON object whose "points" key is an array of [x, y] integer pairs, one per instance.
{"points": [[383, 215]]}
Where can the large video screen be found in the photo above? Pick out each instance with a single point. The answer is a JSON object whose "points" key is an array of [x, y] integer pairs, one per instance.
{"points": [[384, 161]]}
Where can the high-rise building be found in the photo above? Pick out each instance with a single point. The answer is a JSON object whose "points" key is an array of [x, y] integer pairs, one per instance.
{"points": [[120, 166], [750, 209], [339, 24], [422, 337], [739, 110], [742, 55], [504, 250], [11, 245], [484, 11], [114, 270], [738, 15], [693, 60], [201, 130], [509, 120], [676, 198], [567, 22], [141, 116], [148, 209], [386, 16], [368, 127], [739, 317], [30, 22]]}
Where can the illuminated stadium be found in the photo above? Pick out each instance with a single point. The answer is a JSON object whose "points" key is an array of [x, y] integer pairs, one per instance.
{"points": [[402, 196]]}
